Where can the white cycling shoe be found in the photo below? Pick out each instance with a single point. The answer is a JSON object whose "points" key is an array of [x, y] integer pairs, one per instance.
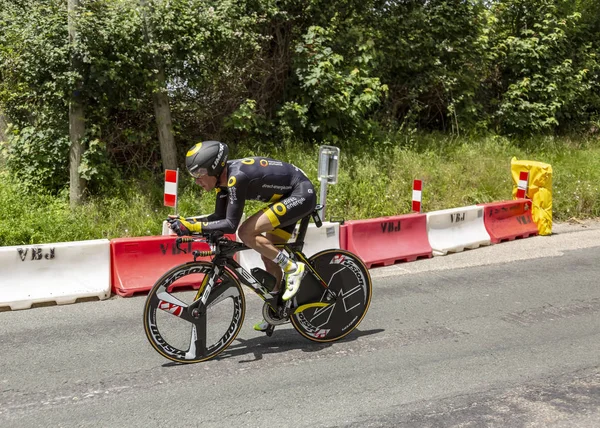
{"points": [[293, 280]]}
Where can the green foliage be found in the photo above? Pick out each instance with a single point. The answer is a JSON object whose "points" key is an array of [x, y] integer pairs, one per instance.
{"points": [[209, 49], [46, 218], [335, 96], [457, 171], [34, 66], [332, 98], [247, 120], [542, 82], [433, 55], [258, 73], [101, 175], [37, 158]]}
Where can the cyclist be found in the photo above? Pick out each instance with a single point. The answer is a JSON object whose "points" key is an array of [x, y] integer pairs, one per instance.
{"points": [[285, 187]]}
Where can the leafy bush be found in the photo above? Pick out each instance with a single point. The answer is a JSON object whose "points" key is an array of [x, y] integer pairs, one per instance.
{"points": [[38, 158], [542, 84], [456, 172], [332, 97]]}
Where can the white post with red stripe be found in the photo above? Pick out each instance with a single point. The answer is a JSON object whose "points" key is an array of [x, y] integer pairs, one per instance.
{"points": [[522, 185], [170, 198], [416, 195], [171, 177]]}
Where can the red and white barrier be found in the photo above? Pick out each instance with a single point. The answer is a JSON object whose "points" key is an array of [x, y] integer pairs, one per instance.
{"points": [[63, 273], [137, 263], [416, 195], [456, 229], [171, 178], [508, 220], [522, 185], [387, 240]]}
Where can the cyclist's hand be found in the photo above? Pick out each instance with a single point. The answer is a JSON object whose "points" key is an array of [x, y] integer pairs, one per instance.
{"points": [[182, 226]]}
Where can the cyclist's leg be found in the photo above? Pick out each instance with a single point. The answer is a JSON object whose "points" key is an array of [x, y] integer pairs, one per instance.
{"points": [[277, 236], [253, 226], [251, 233], [281, 215], [279, 218]]}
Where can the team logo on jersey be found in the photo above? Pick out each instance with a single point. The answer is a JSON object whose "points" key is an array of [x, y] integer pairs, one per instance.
{"points": [[231, 182], [264, 162], [279, 209], [248, 161]]}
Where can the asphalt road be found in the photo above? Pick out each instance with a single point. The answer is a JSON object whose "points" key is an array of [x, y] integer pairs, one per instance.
{"points": [[502, 336]]}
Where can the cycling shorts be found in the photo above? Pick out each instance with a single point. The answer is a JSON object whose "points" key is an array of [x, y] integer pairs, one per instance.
{"points": [[285, 213]]}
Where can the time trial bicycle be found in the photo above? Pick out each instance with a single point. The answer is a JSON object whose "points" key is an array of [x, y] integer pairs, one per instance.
{"points": [[196, 309]]}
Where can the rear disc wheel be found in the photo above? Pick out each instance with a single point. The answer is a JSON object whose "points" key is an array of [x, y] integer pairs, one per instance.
{"points": [[348, 279]]}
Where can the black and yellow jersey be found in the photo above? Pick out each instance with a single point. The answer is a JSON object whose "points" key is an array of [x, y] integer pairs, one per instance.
{"points": [[261, 179]]}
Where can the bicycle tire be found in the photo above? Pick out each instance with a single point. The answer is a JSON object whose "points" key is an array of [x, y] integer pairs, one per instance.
{"points": [[169, 325], [349, 279]]}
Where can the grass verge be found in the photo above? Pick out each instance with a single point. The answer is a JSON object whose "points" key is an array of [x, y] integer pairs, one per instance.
{"points": [[375, 180]]}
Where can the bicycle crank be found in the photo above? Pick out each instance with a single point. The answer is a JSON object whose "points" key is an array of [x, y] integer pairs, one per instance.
{"points": [[272, 317]]}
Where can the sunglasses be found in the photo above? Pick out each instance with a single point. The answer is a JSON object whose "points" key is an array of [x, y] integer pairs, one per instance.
{"points": [[199, 173]]}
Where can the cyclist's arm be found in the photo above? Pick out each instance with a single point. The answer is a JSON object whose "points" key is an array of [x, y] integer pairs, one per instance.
{"points": [[229, 209], [198, 217], [220, 210], [220, 206]]}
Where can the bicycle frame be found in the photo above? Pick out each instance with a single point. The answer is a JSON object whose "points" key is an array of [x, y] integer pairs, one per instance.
{"points": [[333, 299], [224, 250]]}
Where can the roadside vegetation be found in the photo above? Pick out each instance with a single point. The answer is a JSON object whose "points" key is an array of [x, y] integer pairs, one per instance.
{"points": [[98, 97], [374, 182]]}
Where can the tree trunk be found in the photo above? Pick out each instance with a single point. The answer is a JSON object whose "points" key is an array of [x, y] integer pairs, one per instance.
{"points": [[3, 126], [76, 132], [77, 185], [162, 109]]}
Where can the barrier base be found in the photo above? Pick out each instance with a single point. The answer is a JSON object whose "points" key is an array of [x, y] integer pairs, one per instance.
{"points": [[390, 262], [515, 237], [459, 249], [42, 303]]}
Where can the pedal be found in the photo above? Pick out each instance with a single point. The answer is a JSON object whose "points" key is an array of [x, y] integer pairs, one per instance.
{"points": [[270, 329]]}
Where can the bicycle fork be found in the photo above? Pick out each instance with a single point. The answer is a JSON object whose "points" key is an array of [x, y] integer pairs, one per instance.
{"points": [[204, 291]]}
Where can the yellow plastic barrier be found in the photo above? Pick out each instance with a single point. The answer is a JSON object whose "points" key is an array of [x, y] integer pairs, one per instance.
{"points": [[539, 190]]}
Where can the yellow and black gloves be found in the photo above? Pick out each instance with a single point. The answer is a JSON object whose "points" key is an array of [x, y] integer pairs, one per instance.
{"points": [[184, 226]]}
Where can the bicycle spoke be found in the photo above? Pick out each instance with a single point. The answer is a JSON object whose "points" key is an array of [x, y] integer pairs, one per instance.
{"points": [[198, 340], [171, 304], [219, 293], [169, 298]]}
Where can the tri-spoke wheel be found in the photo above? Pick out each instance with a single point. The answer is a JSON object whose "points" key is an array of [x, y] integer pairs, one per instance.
{"points": [[187, 335]]}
